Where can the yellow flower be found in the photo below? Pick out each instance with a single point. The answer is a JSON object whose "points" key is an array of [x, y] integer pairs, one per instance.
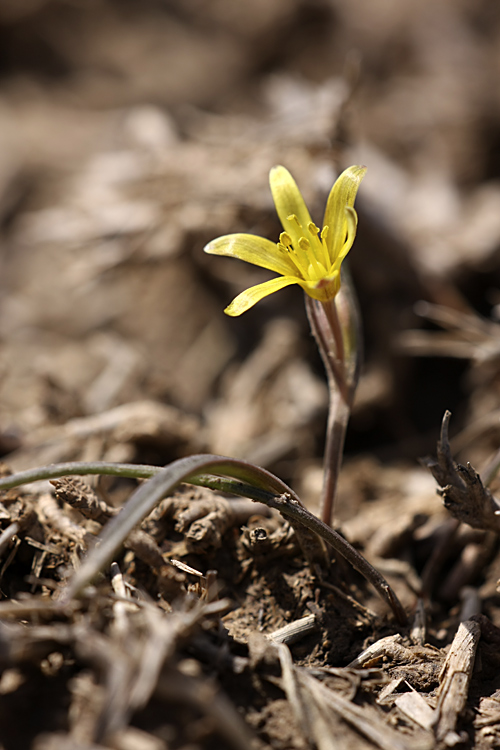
{"points": [[303, 255]]}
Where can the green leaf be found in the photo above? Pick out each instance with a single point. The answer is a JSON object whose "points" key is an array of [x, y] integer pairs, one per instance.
{"points": [[149, 494]]}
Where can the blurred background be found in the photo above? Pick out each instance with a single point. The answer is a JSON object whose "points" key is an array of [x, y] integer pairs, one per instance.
{"points": [[133, 133]]}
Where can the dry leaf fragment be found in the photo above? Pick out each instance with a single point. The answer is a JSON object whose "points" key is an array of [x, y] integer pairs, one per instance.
{"points": [[463, 492]]}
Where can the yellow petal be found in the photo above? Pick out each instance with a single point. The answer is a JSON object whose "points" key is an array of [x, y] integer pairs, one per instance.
{"points": [[342, 195], [352, 225], [250, 297], [289, 202], [252, 249]]}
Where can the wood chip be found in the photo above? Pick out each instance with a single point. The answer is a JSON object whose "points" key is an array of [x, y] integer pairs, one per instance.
{"points": [[415, 706], [454, 680]]}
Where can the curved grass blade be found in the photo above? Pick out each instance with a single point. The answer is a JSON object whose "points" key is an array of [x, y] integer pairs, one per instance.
{"points": [[129, 471], [148, 495], [215, 472], [78, 468]]}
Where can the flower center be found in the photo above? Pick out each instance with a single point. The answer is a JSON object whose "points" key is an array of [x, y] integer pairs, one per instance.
{"points": [[307, 249]]}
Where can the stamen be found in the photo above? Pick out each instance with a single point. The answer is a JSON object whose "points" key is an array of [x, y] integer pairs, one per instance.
{"points": [[294, 218], [327, 254], [310, 260], [294, 257], [285, 239], [300, 257], [313, 228]]}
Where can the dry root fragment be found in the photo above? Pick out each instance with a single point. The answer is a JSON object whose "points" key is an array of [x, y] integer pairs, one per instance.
{"points": [[80, 495], [157, 521], [204, 517], [51, 515], [294, 631], [392, 648], [146, 549], [463, 492]]}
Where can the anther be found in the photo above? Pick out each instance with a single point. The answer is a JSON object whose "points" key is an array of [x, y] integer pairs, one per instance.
{"points": [[285, 239], [324, 232], [313, 228], [304, 244]]}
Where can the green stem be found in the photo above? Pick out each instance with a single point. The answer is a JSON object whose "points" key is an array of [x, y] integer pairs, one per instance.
{"points": [[333, 319], [336, 327], [339, 412], [325, 325]]}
